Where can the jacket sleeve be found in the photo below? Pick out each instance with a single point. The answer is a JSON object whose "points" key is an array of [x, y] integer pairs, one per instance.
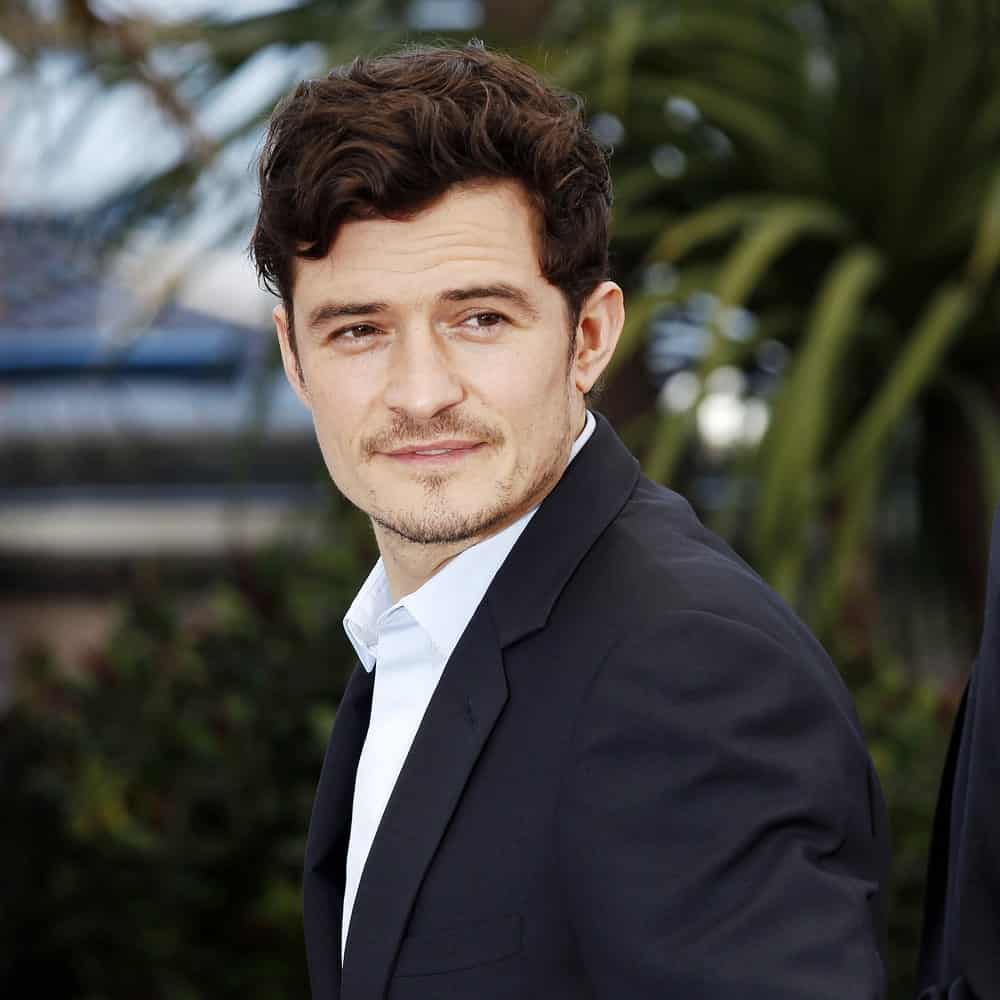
{"points": [[720, 832]]}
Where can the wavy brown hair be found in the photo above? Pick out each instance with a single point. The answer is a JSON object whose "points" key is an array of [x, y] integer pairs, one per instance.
{"points": [[387, 136]]}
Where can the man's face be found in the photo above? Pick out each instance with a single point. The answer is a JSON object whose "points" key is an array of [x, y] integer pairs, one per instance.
{"points": [[436, 361]]}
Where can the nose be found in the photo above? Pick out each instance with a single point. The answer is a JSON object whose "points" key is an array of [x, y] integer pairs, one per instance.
{"points": [[422, 382]]}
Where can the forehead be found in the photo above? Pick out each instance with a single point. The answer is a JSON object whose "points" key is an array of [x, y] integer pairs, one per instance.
{"points": [[485, 231]]}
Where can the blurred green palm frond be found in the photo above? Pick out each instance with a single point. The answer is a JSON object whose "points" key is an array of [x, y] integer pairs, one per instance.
{"points": [[860, 182]]}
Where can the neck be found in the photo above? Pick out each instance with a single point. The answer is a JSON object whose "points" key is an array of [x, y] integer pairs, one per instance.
{"points": [[409, 565]]}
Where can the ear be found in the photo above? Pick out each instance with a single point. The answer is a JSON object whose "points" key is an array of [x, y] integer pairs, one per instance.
{"points": [[289, 357], [602, 317]]}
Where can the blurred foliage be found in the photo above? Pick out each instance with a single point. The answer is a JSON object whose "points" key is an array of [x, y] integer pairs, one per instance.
{"points": [[835, 169], [829, 169], [155, 801]]}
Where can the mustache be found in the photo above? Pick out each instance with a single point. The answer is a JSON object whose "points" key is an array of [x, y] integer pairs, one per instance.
{"points": [[405, 430]]}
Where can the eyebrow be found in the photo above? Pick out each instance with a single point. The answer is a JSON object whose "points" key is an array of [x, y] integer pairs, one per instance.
{"points": [[498, 291], [327, 311]]}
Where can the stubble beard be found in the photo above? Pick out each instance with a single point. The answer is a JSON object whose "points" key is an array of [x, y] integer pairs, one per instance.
{"points": [[438, 523]]}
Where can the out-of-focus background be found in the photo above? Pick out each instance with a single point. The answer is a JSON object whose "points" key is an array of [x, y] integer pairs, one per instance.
{"points": [[807, 226]]}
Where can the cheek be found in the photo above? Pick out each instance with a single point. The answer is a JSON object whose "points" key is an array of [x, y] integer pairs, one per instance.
{"points": [[533, 401], [523, 382], [339, 417]]}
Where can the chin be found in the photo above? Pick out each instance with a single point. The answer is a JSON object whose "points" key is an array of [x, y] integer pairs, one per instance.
{"points": [[426, 526]]}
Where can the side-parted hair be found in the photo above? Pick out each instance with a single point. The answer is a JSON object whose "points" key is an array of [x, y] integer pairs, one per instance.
{"points": [[385, 137]]}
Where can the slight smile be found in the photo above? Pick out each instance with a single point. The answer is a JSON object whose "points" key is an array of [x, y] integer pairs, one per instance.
{"points": [[435, 452]]}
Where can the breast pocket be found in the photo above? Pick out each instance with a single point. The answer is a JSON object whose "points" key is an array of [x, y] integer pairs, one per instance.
{"points": [[460, 947]]}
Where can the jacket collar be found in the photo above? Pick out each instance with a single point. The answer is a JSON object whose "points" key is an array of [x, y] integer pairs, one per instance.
{"points": [[571, 518]]}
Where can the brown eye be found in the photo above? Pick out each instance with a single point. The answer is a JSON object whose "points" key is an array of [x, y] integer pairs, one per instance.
{"points": [[486, 319], [356, 332]]}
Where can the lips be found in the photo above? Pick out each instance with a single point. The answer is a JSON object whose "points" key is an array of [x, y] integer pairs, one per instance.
{"points": [[435, 448], [435, 452]]}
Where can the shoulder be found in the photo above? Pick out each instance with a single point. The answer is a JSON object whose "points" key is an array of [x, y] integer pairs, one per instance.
{"points": [[656, 558], [676, 606]]}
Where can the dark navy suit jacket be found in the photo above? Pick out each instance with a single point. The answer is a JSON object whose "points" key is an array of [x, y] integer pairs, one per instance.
{"points": [[639, 777], [960, 955]]}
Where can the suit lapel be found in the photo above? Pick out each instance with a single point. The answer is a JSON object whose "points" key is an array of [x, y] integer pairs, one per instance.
{"points": [[329, 827], [462, 712], [585, 501]]}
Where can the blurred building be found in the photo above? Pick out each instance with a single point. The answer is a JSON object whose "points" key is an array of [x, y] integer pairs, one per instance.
{"points": [[128, 438]]}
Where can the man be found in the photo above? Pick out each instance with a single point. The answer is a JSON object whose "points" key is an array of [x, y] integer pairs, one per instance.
{"points": [[587, 752], [960, 953]]}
